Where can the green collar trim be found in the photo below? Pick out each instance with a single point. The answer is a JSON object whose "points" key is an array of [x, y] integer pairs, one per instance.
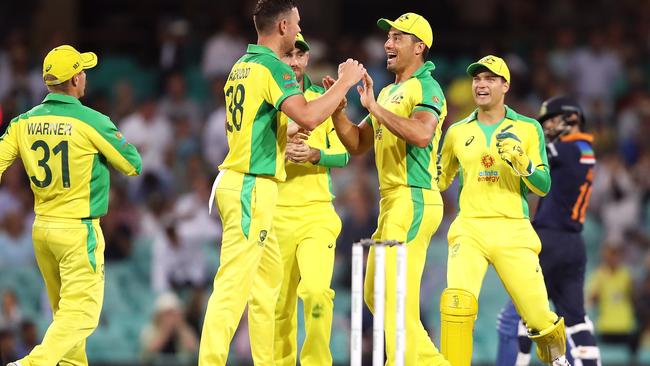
{"points": [[62, 98], [510, 114], [257, 48]]}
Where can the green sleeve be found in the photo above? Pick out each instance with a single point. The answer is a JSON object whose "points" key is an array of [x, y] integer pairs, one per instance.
{"points": [[285, 79], [540, 181], [335, 155], [432, 100], [333, 160], [113, 145]]}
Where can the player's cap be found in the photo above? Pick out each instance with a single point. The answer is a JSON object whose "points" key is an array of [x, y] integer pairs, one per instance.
{"points": [[410, 23], [559, 105], [301, 43], [63, 62], [492, 63]]}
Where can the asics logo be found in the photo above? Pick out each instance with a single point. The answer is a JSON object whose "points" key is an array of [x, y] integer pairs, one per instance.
{"points": [[469, 141]]}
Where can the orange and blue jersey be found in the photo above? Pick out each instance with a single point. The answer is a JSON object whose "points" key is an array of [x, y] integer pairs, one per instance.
{"points": [[572, 162]]}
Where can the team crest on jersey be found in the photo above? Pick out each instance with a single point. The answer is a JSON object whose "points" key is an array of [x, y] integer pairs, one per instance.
{"points": [[487, 161], [263, 234], [286, 77], [397, 98], [121, 138]]}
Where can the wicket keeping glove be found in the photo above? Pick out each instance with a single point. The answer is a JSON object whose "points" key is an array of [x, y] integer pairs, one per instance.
{"points": [[511, 152]]}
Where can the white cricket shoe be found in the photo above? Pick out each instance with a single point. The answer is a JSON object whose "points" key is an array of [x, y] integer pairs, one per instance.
{"points": [[561, 361]]}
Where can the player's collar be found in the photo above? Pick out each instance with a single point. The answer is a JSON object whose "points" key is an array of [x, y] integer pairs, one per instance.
{"points": [[510, 114], [258, 48], [62, 98], [306, 82], [577, 136], [426, 67]]}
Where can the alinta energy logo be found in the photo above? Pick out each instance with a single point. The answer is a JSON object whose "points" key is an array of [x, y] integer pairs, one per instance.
{"points": [[490, 176]]}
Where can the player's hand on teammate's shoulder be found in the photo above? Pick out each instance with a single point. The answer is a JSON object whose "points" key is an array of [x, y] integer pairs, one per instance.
{"points": [[350, 72]]}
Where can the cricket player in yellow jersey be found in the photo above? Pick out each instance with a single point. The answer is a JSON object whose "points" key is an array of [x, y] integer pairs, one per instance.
{"points": [[499, 156], [404, 128], [259, 86], [307, 227], [66, 148]]}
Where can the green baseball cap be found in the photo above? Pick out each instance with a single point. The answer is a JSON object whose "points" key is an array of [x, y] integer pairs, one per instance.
{"points": [[301, 43]]}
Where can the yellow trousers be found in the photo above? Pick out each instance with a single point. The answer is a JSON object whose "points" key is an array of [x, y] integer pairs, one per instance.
{"points": [[250, 270], [70, 256], [409, 215], [511, 246], [307, 237]]}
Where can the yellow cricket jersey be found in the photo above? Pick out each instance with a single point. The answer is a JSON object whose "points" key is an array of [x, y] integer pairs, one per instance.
{"points": [[488, 185], [256, 87], [65, 148], [398, 162], [306, 182]]}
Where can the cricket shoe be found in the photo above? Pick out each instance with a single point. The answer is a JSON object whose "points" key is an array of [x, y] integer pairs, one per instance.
{"points": [[561, 361]]}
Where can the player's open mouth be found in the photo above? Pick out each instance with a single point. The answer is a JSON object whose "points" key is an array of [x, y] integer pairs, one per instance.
{"points": [[482, 94], [391, 55]]}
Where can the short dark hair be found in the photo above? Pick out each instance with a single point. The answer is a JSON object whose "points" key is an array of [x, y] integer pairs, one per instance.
{"points": [[425, 54], [267, 11]]}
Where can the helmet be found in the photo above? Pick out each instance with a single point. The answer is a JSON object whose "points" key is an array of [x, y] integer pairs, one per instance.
{"points": [[560, 105]]}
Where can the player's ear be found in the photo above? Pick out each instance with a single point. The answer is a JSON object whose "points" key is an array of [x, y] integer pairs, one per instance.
{"points": [[419, 48], [506, 86], [74, 81], [282, 25]]}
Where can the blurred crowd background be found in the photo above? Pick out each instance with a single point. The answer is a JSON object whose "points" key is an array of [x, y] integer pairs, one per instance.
{"points": [[160, 77]]}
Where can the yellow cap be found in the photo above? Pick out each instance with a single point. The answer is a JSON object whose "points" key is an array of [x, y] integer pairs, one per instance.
{"points": [[492, 63], [301, 43], [63, 62], [410, 23]]}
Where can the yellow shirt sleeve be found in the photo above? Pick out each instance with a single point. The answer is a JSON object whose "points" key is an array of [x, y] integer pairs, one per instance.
{"points": [[8, 147]]}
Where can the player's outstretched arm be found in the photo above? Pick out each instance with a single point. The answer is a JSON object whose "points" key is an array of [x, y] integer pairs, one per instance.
{"points": [[356, 139], [310, 114], [418, 129]]}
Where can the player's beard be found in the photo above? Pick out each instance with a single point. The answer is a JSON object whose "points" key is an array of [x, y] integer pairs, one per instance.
{"points": [[299, 75]]}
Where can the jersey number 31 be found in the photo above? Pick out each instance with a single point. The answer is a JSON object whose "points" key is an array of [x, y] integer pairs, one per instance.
{"points": [[62, 149]]}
